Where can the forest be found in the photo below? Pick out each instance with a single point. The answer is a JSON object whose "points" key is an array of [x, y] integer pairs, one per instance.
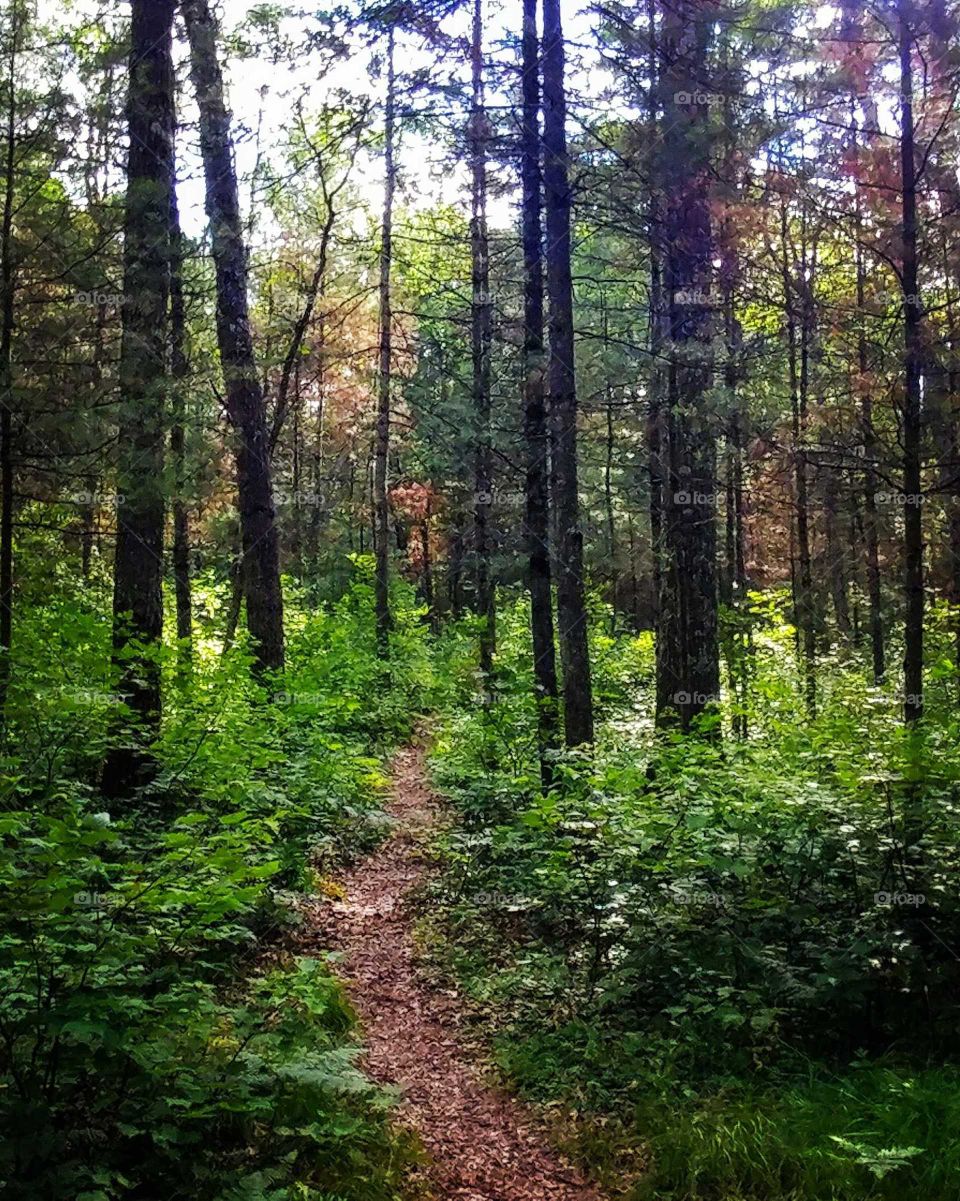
{"points": [[480, 600]]}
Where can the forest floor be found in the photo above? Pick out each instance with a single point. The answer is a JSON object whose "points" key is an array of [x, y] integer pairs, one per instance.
{"points": [[482, 1144]]}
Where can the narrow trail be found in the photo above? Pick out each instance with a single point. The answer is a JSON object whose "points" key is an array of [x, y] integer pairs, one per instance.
{"points": [[483, 1145]]}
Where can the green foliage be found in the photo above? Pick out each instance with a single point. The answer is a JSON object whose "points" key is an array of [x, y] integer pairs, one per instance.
{"points": [[154, 1044], [730, 941]]}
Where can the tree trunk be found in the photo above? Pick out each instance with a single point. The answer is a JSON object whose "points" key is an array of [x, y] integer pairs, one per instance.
{"points": [[912, 410], [688, 659], [794, 294], [535, 420], [871, 536], [571, 602], [244, 394], [138, 562], [481, 323], [852, 32], [381, 509], [7, 313], [455, 568], [179, 369], [655, 337], [836, 557]]}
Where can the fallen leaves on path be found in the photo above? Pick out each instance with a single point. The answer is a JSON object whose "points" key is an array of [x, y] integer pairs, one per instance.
{"points": [[483, 1144]]}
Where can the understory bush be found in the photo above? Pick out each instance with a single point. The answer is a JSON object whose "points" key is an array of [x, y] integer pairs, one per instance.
{"points": [[743, 951], [159, 1037]]}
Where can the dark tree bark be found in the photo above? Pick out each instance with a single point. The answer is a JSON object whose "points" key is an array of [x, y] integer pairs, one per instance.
{"points": [[244, 394], [798, 313], [481, 333], [535, 420], [179, 369], [7, 316], [381, 500], [852, 33], [836, 552], [427, 571], [655, 333], [609, 451], [571, 603], [871, 536], [138, 563], [912, 404], [688, 657], [455, 568]]}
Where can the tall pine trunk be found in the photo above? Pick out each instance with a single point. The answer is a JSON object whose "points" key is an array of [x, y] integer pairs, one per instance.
{"points": [[481, 333], [535, 421], [244, 394], [912, 410], [7, 319], [381, 503], [871, 535], [571, 603], [797, 313], [688, 658], [178, 370], [138, 561]]}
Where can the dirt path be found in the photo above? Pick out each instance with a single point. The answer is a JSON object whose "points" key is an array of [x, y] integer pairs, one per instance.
{"points": [[484, 1146]]}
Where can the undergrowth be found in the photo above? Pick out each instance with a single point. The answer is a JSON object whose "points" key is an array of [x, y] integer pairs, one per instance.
{"points": [[733, 963], [158, 1040]]}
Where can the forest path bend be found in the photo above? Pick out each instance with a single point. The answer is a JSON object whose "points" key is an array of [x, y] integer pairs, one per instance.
{"points": [[483, 1144]]}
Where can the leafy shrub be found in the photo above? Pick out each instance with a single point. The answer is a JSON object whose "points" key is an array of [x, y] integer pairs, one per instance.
{"points": [[681, 916], [147, 1047]]}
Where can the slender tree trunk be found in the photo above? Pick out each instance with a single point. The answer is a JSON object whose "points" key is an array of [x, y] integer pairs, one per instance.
{"points": [[88, 513], [836, 557], [7, 314], [794, 295], [235, 604], [852, 33], [481, 335], [427, 575], [912, 405], [381, 504], [571, 600], [609, 445], [951, 472], [138, 563], [655, 335], [244, 394], [455, 568], [535, 419], [871, 536], [688, 676], [179, 369]]}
